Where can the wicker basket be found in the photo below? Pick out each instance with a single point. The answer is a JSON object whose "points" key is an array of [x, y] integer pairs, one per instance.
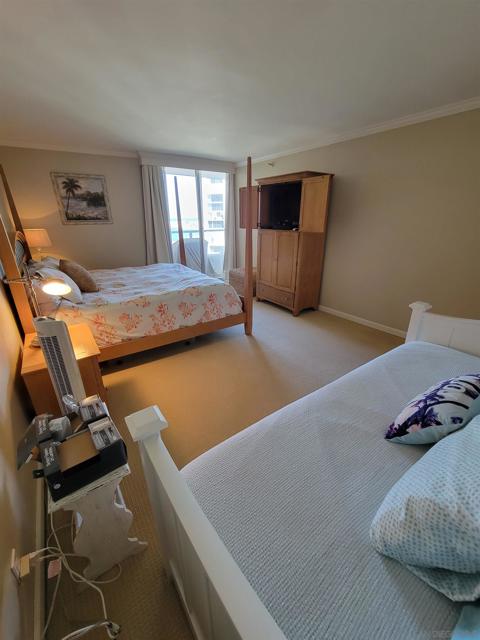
{"points": [[236, 279]]}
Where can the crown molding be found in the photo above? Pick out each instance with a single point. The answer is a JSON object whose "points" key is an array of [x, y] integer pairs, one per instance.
{"points": [[324, 141], [64, 149], [387, 125]]}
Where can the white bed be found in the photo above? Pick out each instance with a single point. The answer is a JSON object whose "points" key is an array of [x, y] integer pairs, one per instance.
{"points": [[134, 302], [266, 535]]}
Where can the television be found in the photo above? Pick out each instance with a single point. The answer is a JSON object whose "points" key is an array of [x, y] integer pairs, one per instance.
{"points": [[280, 205]]}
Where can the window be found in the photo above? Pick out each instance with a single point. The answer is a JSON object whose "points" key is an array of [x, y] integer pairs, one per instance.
{"points": [[215, 202], [215, 224], [196, 199]]}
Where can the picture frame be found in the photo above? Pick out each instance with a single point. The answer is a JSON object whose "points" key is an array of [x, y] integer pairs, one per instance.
{"points": [[82, 198]]}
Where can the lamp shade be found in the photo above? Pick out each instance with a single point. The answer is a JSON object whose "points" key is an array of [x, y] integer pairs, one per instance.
{"points": [[38, 238], [55, 287]]}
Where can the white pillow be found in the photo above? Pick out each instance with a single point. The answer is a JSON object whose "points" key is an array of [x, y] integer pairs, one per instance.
{"points": [[430, 519], [75, 294], [48, 262]]}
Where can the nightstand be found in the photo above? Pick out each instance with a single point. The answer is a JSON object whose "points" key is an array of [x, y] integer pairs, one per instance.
{"points": [[37, 379]]}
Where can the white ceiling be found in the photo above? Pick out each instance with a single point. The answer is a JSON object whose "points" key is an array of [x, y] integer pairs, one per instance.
{"points": [[224, 78]]}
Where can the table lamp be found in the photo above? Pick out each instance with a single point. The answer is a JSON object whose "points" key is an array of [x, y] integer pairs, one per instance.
{"points": [[50, 286], [55, 287], [38, 239]]}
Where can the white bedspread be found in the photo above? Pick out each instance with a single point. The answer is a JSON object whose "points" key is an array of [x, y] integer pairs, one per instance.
{"points": [[294, 495], [139, 301]]}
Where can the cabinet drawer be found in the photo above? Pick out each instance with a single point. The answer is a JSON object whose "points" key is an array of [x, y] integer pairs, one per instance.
{"points": [[266, 292]]}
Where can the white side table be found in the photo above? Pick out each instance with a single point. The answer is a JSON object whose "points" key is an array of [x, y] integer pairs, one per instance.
{"points": [[103, 523]]}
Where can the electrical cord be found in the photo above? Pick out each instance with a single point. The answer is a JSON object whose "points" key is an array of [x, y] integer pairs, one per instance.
{"points": [[108, 624], [75, 555], [59, 304], [57, 552], [77, 577], [52, 606]]}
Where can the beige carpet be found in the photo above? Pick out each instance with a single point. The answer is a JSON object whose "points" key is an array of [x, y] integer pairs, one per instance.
{"points": [[208, 391]]}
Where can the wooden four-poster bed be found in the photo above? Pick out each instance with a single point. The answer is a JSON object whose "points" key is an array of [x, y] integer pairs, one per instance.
{"points": [[15, 254]]}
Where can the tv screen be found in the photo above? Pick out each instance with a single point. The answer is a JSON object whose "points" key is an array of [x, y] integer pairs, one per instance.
{"points": [[282, 205]]}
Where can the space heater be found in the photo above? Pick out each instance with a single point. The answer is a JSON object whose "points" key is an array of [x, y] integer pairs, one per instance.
{"points": [[61, 362]]}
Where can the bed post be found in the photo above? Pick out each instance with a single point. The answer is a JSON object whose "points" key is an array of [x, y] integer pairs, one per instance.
{"points": [[17, 223], [248, 280], [181, 242], [418, 309], [8, 258]]}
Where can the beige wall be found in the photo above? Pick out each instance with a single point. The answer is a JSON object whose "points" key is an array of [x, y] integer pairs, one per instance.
{"points": [[111, 245], [404, 220], [17, 489], [121, 243]]}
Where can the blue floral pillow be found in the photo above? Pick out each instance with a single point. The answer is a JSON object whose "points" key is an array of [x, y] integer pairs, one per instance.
{"points": [[443, 408]]}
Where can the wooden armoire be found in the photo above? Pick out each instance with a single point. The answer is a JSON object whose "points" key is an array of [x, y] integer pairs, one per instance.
{"points": [[290, 212]]}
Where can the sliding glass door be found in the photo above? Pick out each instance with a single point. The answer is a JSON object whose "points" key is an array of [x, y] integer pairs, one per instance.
{"points": [[196, 208]]}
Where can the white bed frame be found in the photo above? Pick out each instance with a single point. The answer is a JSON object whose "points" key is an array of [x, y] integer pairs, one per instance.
{"points": [[217, 598], [457, 333]]}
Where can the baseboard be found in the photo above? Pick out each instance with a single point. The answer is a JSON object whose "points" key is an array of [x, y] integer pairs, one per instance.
{"points": [[39, 575], [367, 323]]}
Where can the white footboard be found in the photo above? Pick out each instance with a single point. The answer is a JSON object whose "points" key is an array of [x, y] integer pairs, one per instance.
{"points": [[458, 333], [218, 599]]}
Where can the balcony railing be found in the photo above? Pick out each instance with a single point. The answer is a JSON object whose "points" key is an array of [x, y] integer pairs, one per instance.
{"points": [[195, 233]]}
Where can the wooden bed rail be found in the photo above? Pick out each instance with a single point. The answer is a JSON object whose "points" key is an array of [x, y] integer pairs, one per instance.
{"points": [[216, 596]]}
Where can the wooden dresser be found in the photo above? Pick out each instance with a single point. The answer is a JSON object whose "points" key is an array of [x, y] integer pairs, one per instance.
{"points": [[290, 212]]}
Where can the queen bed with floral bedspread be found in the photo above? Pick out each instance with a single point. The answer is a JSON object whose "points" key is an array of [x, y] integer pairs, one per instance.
{"points": [[134, 302]]}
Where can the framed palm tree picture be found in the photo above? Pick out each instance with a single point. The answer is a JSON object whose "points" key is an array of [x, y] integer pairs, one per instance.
{"points": [[82, 198]]}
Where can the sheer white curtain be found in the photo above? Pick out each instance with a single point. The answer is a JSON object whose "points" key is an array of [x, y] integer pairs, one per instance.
{"points": [[230, 258], [157, 225]]}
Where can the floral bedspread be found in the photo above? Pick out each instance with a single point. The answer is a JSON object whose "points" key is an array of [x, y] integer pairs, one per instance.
{"points": [[140, 301]]}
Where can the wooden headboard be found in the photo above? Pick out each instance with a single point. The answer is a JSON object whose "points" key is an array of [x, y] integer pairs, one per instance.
{"points": [[14, 253]]}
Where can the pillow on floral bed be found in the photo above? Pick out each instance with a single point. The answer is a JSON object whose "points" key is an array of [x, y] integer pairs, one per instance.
{"points": [[79, 275], [443, 408]]}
